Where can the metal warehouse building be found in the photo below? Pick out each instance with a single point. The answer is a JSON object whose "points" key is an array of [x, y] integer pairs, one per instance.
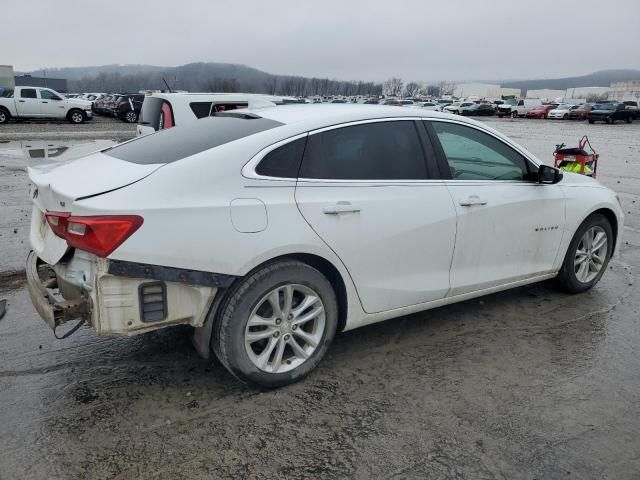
{"points": [[57, 84]]}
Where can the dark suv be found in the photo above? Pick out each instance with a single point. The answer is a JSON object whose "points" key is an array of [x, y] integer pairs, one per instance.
{"points": [[609, 113], [128, 107]]}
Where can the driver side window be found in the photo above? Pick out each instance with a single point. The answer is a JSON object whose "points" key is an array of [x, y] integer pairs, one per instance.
{"points": [[475, 155], [48, 95]]}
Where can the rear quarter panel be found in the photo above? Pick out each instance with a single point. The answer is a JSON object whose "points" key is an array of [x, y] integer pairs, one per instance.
{"points": [[188, 223]]}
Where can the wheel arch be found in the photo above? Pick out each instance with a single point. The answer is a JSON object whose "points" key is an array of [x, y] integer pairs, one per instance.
{"points": [[613, 220], [73, 109], [202, 338]]}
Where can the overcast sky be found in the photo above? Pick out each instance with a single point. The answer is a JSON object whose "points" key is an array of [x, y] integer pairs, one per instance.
{"points": [[345, 39]]}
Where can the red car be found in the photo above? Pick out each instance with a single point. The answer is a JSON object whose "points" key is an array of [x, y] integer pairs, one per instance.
{"points": [[540, 112]]}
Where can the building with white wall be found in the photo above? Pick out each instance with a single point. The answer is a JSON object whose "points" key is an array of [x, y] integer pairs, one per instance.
{"points": [[483, 90], [545, 94], [623, 91], [7, 77]]}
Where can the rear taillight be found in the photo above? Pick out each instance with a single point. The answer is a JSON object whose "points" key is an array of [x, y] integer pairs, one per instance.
{"points": [[58, 222], [96, 234]]}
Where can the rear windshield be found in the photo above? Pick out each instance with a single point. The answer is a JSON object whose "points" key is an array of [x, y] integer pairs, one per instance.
{"points": [[174, 144]]}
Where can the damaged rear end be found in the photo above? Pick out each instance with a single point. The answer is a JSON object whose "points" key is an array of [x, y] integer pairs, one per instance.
{"points": [[71, 273]]}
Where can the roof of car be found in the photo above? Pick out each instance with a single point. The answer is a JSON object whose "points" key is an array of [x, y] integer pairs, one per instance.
{"points": [[320, 115]]}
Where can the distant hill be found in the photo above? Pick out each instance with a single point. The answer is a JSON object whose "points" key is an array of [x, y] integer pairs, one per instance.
{"points": [[602, 78], [219, 77]]}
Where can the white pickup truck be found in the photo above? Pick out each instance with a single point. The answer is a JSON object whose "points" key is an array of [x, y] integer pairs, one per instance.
{"points": [[36, 102]]}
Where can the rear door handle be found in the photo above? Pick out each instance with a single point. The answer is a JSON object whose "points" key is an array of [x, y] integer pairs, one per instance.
{"points": [[45, 102], [340, 207], [472, 200]]}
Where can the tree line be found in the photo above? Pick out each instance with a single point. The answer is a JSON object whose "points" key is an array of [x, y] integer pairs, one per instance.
{"points": [[286, 85]]}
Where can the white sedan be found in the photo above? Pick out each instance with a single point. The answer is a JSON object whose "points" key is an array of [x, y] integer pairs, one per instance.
{"points": [[271, 230], [561, 111]]}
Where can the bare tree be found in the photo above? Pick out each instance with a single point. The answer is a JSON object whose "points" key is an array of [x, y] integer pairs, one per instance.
{"points": [[271, 85], [393, 86], [411, 89], [596, 97]]}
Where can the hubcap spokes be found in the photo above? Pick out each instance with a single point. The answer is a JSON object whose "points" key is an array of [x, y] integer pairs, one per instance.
{"points": [[590, 254], [285, 328]]}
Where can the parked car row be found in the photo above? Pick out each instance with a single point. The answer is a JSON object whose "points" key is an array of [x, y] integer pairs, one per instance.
{"points": [[125, 106]]}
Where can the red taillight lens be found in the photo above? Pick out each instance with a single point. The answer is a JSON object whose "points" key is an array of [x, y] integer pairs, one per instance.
{"points": [[101, 235], [97, 234], [58, 222]]}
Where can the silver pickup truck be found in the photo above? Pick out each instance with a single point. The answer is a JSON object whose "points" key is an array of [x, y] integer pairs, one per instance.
{"points": [[36, 102]]}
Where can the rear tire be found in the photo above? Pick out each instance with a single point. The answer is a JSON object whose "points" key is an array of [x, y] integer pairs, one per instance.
{"points": [[591, 121], [629, 119], [4, 116], [131, 117], [582, 254], [76, 116], [284, 351]]}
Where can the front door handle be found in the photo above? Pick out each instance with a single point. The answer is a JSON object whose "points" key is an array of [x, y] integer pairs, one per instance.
{"points": [[340, 207], [44, 102], [21, 101], [472, 200]]}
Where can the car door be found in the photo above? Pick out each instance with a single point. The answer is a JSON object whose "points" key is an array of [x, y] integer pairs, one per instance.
{"points": [[27, 103], [509, 227], [368, 193], [51, 105]]}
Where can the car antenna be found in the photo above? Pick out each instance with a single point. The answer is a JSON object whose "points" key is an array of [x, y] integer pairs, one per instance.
{"points": [[165, 82]]}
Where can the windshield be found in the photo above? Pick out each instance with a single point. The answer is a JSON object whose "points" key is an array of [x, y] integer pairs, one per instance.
{"points": [[604, 106]]}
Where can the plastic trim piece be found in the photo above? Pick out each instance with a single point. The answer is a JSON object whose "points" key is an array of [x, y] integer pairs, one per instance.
{"points": [[169, 274]]}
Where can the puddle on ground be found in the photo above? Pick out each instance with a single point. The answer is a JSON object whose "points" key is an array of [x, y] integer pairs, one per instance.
{"points": [[39, 152]]}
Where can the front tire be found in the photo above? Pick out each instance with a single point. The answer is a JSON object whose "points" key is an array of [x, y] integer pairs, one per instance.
{"points": [[276, 324], [588, 255], [514, 114], [76, 116], [591, 121]]}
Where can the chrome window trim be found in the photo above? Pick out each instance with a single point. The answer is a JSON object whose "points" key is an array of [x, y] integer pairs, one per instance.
{"points": [[249, 168]]}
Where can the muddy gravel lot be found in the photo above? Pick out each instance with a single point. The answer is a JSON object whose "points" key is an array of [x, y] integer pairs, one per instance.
{"points": [[530, 383]]}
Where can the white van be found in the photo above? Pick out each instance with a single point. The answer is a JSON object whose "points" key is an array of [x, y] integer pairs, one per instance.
{"points": [[166, 110], [520, 109]]}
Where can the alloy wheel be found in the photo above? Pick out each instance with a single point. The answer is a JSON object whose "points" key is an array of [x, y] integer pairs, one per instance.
{"points": [[590, 255], [284, 328], [76, 117]]}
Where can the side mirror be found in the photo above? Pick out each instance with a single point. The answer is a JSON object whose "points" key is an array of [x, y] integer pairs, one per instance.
{"points": [[548, 174]]}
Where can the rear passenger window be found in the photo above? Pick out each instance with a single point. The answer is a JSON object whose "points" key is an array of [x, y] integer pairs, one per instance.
{"points": [[284, 161], [371, 151], [28, 93], [225, 107], [200, 109]]}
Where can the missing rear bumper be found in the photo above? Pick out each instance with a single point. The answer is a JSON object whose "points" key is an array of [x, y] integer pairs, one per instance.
{"points": [[42, 286]]}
